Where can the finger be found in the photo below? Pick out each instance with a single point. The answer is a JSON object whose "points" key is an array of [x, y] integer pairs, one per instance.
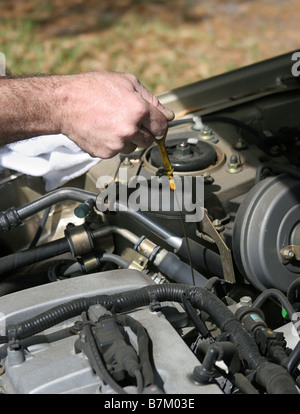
{"points": [[153, 100], [143, 138], [154, 121], [128, 148]]}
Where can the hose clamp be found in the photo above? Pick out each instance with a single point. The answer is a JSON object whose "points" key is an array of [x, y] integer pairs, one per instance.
{"points": [[80, 239]]}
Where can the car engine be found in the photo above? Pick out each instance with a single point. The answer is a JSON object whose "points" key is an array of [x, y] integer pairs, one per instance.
{"points": [[103, 293]]}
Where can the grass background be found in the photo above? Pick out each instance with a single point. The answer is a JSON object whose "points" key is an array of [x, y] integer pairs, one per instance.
{"points": [[166, 44]]}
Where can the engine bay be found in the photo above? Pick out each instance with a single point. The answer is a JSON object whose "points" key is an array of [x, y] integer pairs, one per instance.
{"points": [[101, 297]]}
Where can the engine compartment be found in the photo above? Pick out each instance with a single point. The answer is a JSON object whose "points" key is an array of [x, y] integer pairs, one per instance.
{"points": [[98, 296]]}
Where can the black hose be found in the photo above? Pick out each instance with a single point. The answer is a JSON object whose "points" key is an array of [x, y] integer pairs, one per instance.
{"points": [[17, 260], [292, 290], [294, 358], [271, 376], [179, 271], [277, 294], [202, 257], [243, 384]]}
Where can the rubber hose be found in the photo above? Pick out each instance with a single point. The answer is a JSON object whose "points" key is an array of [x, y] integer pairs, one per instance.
{"points": [[276, 294], [36, 254], [292, 290], [202, 257], [114, 258], [179, 271]]}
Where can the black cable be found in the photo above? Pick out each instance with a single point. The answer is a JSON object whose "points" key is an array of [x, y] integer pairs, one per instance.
{"points": [[143, 346], [233, 121], [193, 316], [40, 228]]}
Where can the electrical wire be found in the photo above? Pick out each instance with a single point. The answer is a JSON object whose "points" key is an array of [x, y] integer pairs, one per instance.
{"points": [[40, 228]]}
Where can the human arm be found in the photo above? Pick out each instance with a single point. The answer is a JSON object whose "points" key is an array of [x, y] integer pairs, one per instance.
{"points": [[102, 112]]}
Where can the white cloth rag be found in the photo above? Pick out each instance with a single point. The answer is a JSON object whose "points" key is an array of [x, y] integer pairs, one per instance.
{"points": [[54, 157]]}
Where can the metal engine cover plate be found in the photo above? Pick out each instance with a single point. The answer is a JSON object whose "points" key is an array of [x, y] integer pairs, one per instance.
{"points": [[264, 224]]}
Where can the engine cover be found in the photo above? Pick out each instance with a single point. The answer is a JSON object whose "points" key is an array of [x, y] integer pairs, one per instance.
{"points": [[48, 366]]}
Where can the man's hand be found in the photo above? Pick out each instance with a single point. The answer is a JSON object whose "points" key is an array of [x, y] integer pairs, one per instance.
{"points": [[104, 113], [107, 113]]}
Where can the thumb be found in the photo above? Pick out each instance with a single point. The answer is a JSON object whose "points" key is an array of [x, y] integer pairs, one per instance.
{"points": [[166, 111]]}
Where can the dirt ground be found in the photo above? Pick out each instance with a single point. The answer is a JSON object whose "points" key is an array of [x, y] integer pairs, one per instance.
{"points": [[165, 43]]}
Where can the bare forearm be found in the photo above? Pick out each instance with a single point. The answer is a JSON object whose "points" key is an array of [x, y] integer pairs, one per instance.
{"points": [[27, 108]]}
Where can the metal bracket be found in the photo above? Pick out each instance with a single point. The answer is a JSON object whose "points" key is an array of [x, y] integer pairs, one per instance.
{"points": [[225, 253]]}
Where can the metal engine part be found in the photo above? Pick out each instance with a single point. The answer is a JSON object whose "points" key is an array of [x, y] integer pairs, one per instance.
{"points": [[49, 367], [267, 223]]}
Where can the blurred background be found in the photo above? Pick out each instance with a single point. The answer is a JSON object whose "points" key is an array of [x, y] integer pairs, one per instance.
{"points": [[165, 43]]}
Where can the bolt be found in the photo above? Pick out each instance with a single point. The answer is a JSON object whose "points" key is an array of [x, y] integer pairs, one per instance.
{"points": [[126, 162], [288, 254], [218, 225], [240, 144], [245, 301], [234, 159], [234, 164], [206, 133], [183, 150], [208, 179]]}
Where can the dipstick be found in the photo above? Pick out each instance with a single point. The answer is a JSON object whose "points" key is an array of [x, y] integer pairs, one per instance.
{"points": [[165, 159]]}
